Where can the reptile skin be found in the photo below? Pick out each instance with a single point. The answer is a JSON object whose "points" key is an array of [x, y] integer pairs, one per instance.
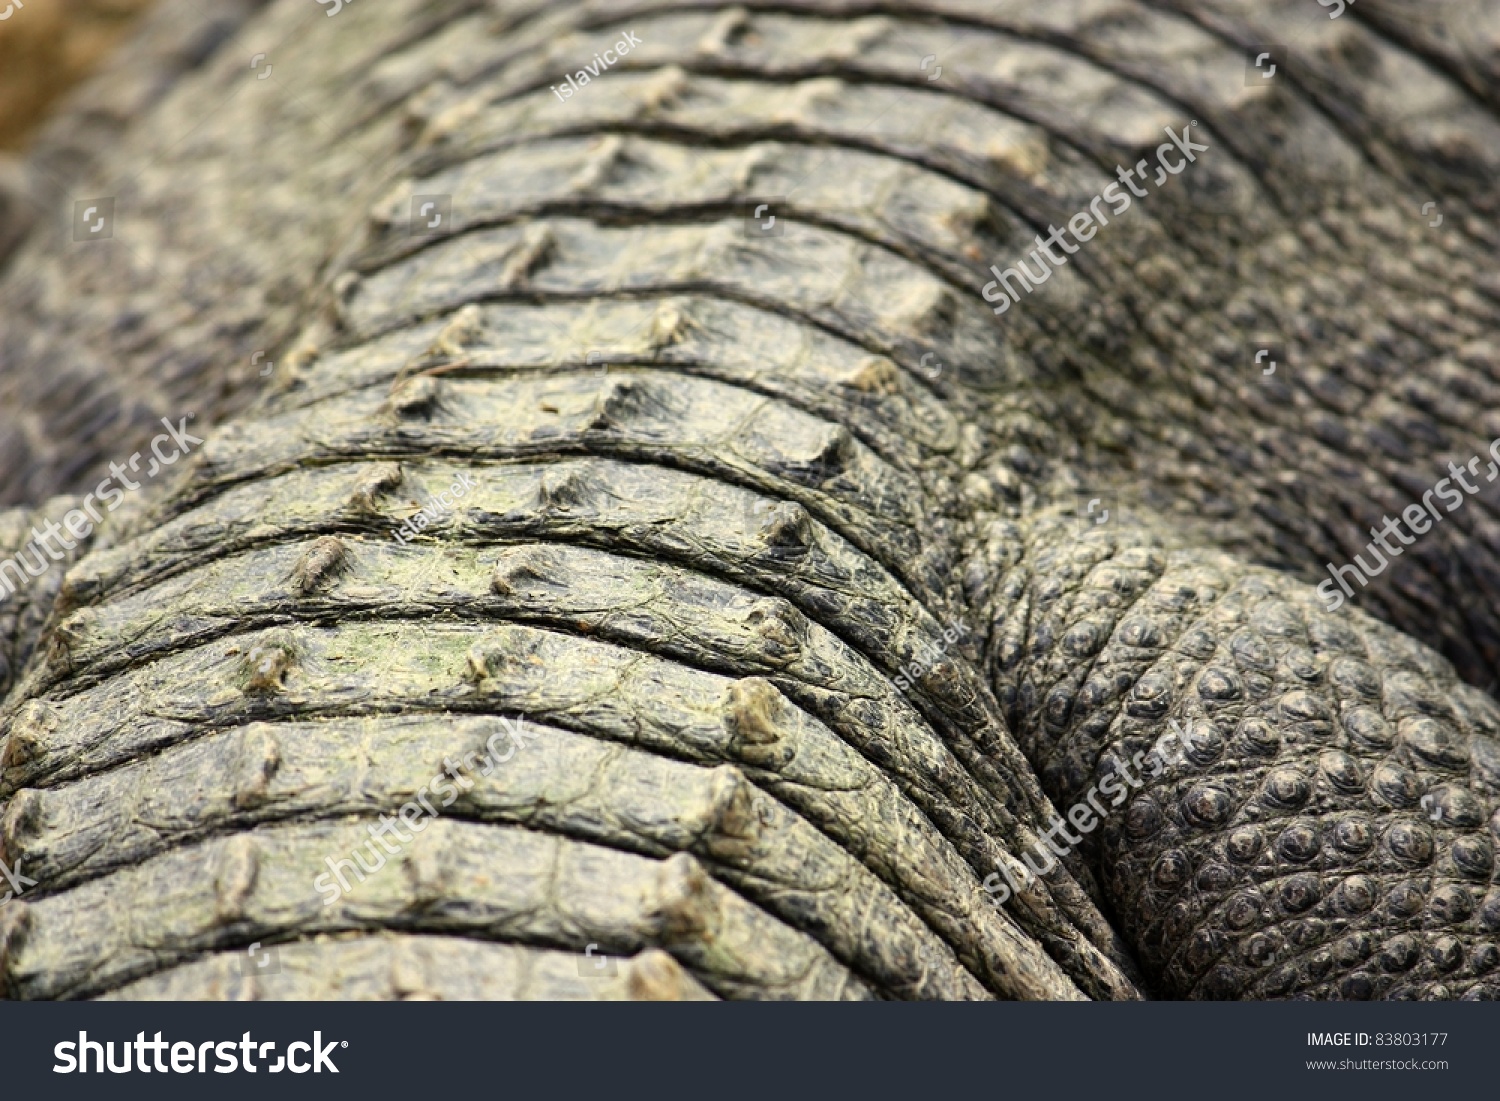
{"points": [[825, 591]]}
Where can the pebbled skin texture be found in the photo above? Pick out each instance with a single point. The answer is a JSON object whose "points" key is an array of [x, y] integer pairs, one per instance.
{"points": [[1327, 827], [814, 636]]}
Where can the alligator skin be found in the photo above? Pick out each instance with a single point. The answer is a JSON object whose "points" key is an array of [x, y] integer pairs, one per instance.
{"points": [[822, 589]]}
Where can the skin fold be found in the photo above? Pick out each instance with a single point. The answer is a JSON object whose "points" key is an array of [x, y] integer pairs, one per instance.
{"points": [[834, 598]]}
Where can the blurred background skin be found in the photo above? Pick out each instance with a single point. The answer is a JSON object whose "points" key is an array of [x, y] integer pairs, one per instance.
{"points": [[48, 46]]}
